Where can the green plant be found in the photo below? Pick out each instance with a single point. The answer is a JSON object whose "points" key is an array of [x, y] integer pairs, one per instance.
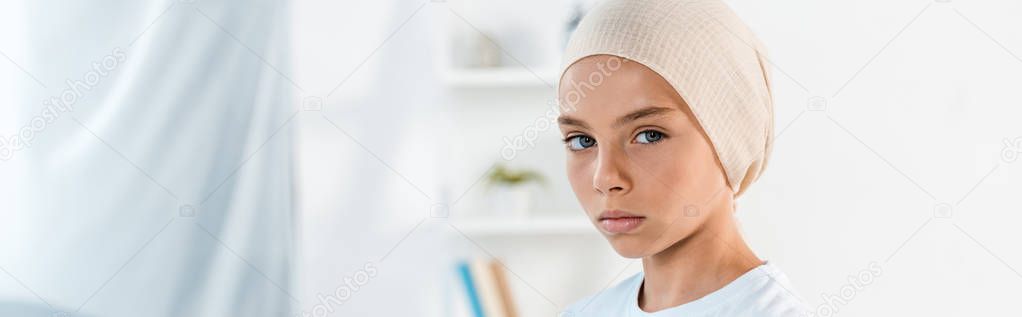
{"points": [[502, 175]]}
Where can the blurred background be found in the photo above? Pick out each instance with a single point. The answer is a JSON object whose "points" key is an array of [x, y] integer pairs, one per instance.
{"points": [[306, 158]]}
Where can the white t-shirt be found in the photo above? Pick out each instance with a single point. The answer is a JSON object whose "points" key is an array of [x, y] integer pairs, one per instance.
{"points": [[763, 291]]}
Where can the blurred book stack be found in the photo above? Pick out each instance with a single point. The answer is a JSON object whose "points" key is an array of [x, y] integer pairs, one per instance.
{"points": [[485, 289]]}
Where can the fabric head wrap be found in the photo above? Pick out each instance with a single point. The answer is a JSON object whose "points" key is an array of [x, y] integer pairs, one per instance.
{"points": [[708, 55]]}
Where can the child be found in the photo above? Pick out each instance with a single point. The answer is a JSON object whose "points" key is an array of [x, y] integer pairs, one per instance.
{"points": [[667, 117]]}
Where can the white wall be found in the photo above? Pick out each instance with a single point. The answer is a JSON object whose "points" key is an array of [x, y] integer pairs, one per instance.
{"points": [[928, 101]]}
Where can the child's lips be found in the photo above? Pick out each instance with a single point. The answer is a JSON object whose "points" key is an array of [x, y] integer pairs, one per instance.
{"points": [[619, 221], [621, 224]]}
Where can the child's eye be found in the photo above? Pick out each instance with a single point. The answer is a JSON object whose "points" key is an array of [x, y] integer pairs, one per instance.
{"points": [[649, 136], [579, 142]]}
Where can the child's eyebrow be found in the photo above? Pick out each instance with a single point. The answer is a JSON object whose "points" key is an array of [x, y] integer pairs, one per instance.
{"points": [[567, 120], [650, 111]]}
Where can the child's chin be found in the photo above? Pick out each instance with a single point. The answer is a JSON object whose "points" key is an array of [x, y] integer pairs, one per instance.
{"points": [[629, 247]]}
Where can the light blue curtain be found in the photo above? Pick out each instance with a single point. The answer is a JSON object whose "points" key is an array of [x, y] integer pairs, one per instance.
{"points": [[153, 146]]}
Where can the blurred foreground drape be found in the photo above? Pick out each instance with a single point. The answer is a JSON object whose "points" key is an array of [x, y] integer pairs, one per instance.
{"points": [[148, 158]]}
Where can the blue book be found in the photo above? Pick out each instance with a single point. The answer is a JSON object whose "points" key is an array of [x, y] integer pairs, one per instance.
{"points": [[473, 295]]}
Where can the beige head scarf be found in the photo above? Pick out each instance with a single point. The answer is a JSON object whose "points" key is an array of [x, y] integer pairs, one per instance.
{"points": [[708, 55]]}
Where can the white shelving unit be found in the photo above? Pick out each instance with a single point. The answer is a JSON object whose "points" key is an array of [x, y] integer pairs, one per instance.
{"points": [[536, 226], [552, 255], [507, 77]]}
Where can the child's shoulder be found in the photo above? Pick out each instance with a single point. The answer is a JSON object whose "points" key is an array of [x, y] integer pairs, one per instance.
{"points": [[762, 292], [614, 299], [769, 294]]}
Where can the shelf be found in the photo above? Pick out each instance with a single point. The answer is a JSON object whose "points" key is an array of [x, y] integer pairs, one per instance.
{"points": [[527, 227], [500, 77]]}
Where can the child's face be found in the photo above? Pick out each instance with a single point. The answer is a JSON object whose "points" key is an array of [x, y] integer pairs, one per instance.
{"points": [[637, 160]]}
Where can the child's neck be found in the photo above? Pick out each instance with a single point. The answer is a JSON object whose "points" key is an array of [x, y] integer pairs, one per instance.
{"points": [[705, 261]]}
